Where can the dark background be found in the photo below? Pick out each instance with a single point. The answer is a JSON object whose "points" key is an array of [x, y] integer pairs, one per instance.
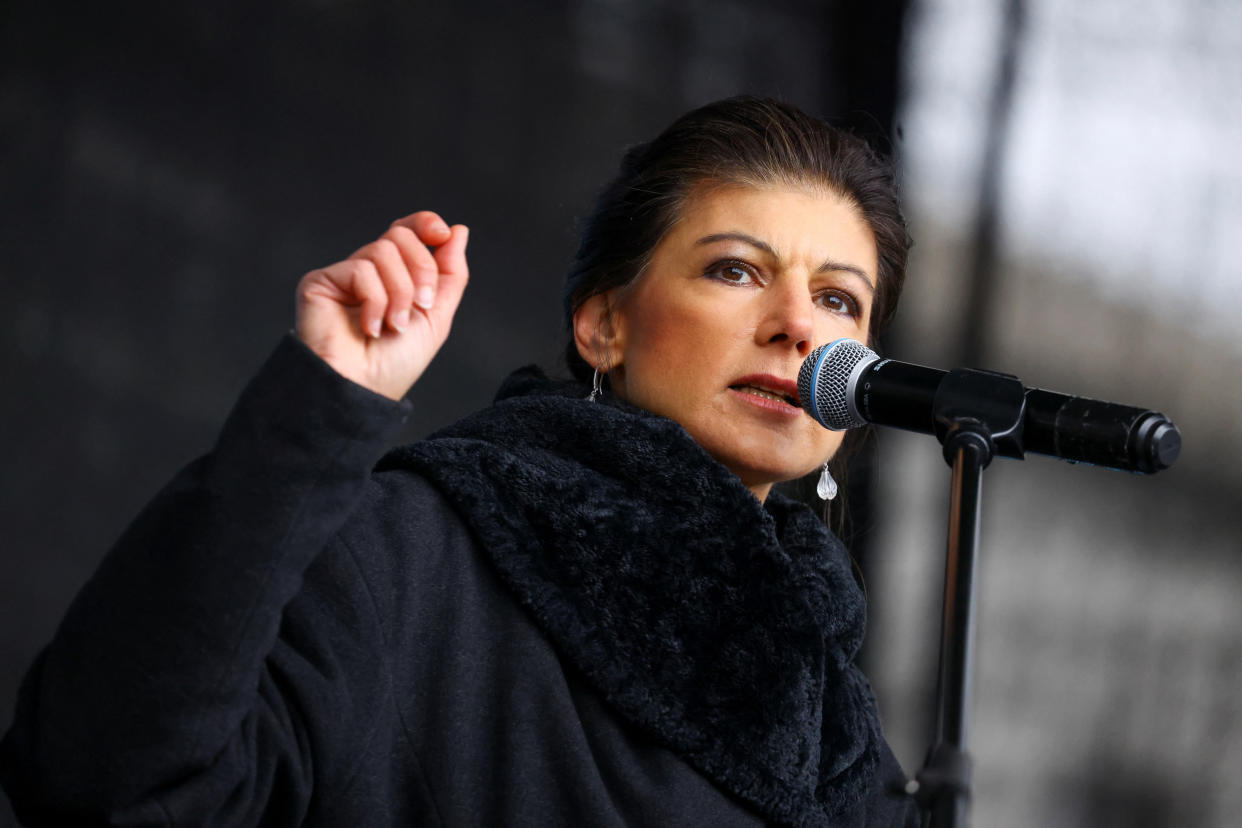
{"points": [[170, 170]]}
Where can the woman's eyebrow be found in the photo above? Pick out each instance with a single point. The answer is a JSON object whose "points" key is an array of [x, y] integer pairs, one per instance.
{"points": [[841, 267], [742, 237], [759, 244]]}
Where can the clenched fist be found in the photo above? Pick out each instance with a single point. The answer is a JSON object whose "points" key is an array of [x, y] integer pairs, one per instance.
{"points": [[380, 316]]}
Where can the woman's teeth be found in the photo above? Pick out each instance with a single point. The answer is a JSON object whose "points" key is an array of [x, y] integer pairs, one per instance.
{"points": [[771, 395]]}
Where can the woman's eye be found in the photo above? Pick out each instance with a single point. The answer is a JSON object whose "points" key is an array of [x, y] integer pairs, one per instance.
{"points": [[733, 273], [839, 303]]}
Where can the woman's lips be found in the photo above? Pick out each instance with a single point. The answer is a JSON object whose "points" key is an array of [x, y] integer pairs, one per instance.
{"points": [[768, 391]]}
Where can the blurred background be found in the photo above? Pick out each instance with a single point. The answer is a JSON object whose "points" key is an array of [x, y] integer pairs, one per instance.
{"points": [[1073, 184]]}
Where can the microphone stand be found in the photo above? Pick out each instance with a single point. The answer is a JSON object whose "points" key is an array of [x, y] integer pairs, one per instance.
{"points": [[976, 413]]}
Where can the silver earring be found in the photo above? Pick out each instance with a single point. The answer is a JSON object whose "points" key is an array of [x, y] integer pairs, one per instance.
{"points": [[597, 385], [827, 487]]}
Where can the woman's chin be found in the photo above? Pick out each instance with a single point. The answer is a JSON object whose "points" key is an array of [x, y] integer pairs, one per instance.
{"points": [[764, 476]]}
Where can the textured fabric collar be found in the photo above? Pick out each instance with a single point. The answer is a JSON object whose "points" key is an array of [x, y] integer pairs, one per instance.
{"points": [[725, 628]]}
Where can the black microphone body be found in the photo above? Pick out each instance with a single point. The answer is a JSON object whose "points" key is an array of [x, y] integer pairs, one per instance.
{"points": [[844, 384]]}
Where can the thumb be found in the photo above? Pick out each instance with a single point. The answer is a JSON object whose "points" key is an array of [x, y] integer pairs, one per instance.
{"points": [[451, 261], [451, 256]]}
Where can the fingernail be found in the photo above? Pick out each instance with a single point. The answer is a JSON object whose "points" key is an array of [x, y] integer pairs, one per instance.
{"points": [[374, 329], [442, 227], [401, 319], [425, 297]]}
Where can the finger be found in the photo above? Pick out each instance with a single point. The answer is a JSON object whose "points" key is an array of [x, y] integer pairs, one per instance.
{"points": [[368, 288], [422, 267], [427, 225], [450, 258], [398, 285]]}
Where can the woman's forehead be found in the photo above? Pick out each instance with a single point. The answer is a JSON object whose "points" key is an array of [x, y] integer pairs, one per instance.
{"points": [[784, 220]]}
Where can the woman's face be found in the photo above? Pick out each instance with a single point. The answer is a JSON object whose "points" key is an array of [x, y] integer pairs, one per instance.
{"points": [[742, 288]]}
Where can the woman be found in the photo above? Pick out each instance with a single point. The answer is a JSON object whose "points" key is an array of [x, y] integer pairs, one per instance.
{"points": [[576, 607]]}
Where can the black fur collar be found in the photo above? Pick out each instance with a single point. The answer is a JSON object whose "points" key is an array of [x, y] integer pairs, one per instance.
{"points": [[724, 627]]}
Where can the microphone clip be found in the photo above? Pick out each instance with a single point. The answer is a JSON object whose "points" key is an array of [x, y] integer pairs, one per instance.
{"points": [[981, 407]]}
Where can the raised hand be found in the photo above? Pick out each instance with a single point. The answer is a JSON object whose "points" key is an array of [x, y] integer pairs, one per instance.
{"points": [[380, 316]]}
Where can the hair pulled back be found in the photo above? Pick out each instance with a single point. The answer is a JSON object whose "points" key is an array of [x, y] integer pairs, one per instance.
{"points": [[741, 141]]}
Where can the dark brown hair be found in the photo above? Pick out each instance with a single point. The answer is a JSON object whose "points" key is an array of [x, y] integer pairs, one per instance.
{"points": [[742, 141]]}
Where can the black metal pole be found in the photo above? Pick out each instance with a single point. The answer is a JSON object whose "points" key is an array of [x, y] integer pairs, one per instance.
{"points": [[974, 412], [969, 454]]}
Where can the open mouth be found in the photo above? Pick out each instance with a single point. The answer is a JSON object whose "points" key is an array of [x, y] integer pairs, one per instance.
{"points": [[767, 393]]}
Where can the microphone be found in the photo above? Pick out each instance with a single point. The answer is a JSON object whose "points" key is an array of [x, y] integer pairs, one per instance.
{"points": [[845, 384]]}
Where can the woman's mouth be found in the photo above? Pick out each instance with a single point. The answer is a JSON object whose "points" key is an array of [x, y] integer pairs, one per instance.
{"points": [[766, 394], [769, 391]]}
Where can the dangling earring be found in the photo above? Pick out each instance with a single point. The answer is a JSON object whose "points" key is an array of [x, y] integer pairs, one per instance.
{"points": [[827, 487], [597, 385]]}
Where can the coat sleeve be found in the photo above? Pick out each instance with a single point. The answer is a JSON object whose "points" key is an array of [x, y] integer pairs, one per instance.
{"points": [[154, 696]]}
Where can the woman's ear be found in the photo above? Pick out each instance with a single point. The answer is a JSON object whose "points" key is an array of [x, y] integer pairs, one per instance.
{"points": [[599, 332]]}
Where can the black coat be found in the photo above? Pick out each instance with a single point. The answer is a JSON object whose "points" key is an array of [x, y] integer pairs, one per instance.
{"points": [[516, 623]]}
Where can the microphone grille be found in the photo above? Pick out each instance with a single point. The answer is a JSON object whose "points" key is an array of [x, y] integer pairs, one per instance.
{"points": [[824, 382]]}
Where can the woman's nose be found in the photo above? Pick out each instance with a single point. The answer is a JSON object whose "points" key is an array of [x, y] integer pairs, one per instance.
{"points": [[789, 316]]}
